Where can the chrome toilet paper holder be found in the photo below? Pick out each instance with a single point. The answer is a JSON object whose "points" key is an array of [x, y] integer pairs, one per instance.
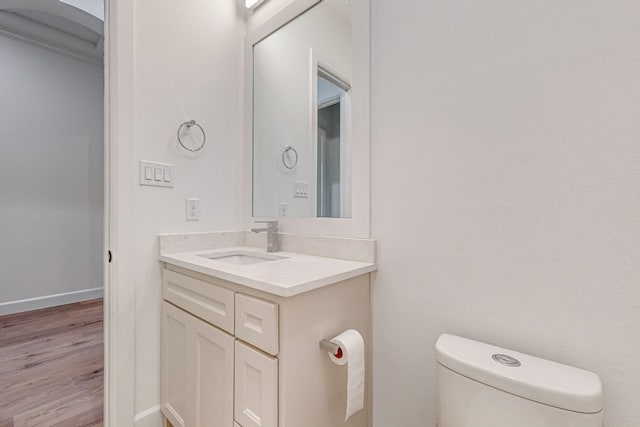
{"points": [[329, 346]]}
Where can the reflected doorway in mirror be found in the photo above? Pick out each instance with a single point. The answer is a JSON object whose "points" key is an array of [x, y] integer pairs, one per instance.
{"points": [[333, 117]]}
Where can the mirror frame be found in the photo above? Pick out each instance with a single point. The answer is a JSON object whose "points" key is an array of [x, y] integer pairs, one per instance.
{"points": [[358, 225]]}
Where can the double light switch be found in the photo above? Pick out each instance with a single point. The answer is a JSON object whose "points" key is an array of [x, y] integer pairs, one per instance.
{"points": [[156, 174]]}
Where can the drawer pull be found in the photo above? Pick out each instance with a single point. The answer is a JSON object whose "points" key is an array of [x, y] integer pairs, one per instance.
{"points": [[253, 322]]}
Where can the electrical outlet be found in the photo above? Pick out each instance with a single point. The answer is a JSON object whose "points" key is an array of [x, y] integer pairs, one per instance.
{"points": [[283, 208], [192, 209]]}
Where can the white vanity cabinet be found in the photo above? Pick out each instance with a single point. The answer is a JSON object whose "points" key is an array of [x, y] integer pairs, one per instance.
{"points": [[197, 371], [234, 356]]}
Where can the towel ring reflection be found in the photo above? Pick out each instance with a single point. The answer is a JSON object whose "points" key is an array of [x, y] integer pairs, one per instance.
{"points": [[291, 164], [189, 125]]}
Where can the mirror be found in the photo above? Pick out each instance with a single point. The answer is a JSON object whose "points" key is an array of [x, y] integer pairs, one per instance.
{"points": [[302, 133]]}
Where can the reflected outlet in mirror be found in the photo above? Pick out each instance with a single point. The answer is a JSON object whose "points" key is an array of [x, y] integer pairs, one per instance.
{"points": [[302, 134]]}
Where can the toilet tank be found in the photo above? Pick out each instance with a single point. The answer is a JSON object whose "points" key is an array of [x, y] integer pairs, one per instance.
{"points": [[480, 385]]}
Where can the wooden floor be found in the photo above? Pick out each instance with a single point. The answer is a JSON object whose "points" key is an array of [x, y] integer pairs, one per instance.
{"points": [[51, 367]]}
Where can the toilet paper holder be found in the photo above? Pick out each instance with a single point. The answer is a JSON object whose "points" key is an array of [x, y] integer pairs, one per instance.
{"points": [[333, 348]]}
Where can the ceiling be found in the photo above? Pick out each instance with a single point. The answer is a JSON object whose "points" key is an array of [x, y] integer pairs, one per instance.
{"points": [[55, 24]]}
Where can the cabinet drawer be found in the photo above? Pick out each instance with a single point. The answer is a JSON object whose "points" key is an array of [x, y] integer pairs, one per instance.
{"points": [[257, 322], [256, 388], [205, 300]]}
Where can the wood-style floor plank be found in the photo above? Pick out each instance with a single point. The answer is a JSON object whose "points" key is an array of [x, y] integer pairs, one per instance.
{"points": [[51, 367], [77, 409]]}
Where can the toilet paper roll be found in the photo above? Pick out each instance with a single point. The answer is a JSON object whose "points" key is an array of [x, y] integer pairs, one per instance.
{"points": [[352, 345]]}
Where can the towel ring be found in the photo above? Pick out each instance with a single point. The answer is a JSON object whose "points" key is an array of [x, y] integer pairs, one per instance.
{"points": [[291, 164], [189, 125]]}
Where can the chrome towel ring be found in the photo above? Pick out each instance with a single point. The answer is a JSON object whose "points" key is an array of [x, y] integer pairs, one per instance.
{"points": [[290, 164], [189, 125]]}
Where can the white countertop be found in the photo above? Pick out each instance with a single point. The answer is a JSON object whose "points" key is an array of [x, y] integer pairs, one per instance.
{"points": [[287, 277]]}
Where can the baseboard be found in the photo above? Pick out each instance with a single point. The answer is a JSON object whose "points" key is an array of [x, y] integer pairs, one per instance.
{"points": [[149, 417], [46, 301]]}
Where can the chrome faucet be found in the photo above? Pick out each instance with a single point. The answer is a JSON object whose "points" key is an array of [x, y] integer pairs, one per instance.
{"points": [[272, 234]]}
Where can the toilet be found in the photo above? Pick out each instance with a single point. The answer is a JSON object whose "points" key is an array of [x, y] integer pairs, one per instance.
{"points": [[480, 385]]}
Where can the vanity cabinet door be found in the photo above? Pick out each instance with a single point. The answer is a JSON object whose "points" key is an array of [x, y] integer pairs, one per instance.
{"points": [[174, 364], [197, 371], [213, 376], [256, 394]]}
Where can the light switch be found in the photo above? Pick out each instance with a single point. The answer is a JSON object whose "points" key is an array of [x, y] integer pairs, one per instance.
{"points": [[301, 189], [155, 174]]}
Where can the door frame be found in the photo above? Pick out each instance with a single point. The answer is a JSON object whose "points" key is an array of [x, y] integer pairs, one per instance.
{"points": [[119, 178], [320, 64]]}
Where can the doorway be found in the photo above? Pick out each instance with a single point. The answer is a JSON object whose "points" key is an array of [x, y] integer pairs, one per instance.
{"points": [[52, 157], [332, 146]]}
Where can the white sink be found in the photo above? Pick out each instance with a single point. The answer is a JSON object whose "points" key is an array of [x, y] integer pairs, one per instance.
{"points": [[242, 257]]}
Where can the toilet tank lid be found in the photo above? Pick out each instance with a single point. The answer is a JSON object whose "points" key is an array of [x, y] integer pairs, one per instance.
{"points": [[535, 379]]}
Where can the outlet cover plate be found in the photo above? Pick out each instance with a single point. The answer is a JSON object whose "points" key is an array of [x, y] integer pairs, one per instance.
{"points": [[192, 209]]}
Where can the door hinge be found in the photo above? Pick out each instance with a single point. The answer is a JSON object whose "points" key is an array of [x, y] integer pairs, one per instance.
{"points": [[109, 257]]}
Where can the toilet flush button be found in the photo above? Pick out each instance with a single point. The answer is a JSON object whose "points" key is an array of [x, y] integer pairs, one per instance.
{"points": [[506, 360]]}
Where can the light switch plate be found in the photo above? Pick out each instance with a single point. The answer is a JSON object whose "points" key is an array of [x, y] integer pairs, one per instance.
{"points": [[301, 189], [156, 174]]}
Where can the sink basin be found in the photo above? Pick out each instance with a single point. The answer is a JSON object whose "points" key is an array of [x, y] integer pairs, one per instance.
{"points": [[242, 258]]}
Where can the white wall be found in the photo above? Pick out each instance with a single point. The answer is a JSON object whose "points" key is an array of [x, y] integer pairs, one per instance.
{"points": [[188, 65], [282, 103], [506, 190], [51, 177]]}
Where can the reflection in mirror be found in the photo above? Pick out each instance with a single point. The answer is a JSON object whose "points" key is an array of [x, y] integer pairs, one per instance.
{"points": [[302, 116], [332, 145]]}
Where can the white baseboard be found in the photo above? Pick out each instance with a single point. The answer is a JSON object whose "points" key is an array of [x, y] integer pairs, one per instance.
{"points": [[149, 417], [46, 301]]}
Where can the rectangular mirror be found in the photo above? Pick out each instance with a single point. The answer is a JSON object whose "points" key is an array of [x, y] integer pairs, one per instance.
{"points": [[302, 116]]}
